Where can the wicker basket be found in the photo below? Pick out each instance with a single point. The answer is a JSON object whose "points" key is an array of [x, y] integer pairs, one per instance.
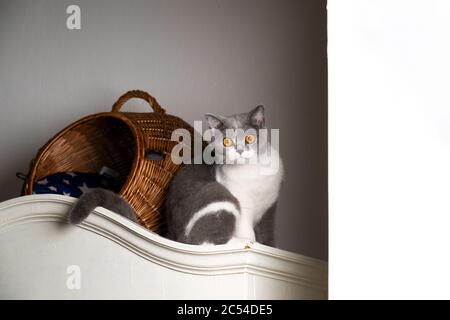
{"points": [[121, 141]]}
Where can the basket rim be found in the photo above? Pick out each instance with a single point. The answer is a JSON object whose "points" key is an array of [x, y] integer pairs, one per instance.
{"points": [[117, 115]]}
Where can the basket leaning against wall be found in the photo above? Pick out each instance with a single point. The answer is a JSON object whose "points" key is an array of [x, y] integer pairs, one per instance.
{"points": [[121, 141]]}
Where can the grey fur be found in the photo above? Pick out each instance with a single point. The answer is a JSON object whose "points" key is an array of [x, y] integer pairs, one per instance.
{"points": [[253, 119], [193, 188], [94, 198], [214, 228], [265, 229]]}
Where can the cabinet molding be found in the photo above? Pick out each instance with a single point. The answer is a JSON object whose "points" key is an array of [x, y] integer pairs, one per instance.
{"points": [[121, 259]]}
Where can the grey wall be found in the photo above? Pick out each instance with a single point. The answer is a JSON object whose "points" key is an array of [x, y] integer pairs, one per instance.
{"points": [[195, 56]]}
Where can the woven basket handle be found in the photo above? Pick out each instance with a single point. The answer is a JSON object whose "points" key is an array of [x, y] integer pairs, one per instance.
{"points": [[137, 94]]}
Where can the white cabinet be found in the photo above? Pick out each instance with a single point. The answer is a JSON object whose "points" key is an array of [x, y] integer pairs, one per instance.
{"points": [[110, 257]]}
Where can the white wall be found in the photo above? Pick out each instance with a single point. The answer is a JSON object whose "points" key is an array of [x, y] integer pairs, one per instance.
{"points": [[389, 147], [195, 56]]}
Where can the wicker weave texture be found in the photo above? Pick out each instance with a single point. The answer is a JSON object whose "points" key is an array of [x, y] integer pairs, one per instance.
{"points": [[120, 141]]}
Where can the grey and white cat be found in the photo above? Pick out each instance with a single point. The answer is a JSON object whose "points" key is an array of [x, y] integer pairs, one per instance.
{"points": [[227, 201]]}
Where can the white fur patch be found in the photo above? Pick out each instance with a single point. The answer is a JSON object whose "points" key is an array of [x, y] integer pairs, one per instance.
{"points": [[255, 190], [210, 209]]}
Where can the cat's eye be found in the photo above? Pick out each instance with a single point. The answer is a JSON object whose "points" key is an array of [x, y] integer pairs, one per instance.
{"points": [[249, 139], [227, 142]]}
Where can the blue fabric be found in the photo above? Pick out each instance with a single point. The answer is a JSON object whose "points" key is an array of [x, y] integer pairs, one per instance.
{"points": [[71, 184]]}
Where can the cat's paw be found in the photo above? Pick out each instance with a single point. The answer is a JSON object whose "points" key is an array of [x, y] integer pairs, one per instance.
{"points": [[240, 241]]}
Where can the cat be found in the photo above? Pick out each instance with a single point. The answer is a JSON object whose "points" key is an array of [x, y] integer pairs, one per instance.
{"points": [[231, 200]]}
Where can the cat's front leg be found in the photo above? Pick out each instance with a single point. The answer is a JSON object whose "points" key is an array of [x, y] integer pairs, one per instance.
{"points": [[241, 241], [244, 228]]}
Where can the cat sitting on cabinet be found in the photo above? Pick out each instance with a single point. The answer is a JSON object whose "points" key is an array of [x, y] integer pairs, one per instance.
{"points": [[231, 200]]}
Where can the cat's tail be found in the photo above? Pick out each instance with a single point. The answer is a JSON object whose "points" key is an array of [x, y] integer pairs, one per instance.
{"points": [[94, 198]]}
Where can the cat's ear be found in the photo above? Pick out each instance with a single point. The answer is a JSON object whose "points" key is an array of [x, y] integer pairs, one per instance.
{"points": [[256, 117], [214, 122]]}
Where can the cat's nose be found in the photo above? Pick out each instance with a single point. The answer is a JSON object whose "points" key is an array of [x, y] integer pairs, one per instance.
{"points": [[240, 151]]}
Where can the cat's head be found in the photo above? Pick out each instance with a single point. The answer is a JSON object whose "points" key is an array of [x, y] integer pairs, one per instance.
{"points": [[236, 137]]}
